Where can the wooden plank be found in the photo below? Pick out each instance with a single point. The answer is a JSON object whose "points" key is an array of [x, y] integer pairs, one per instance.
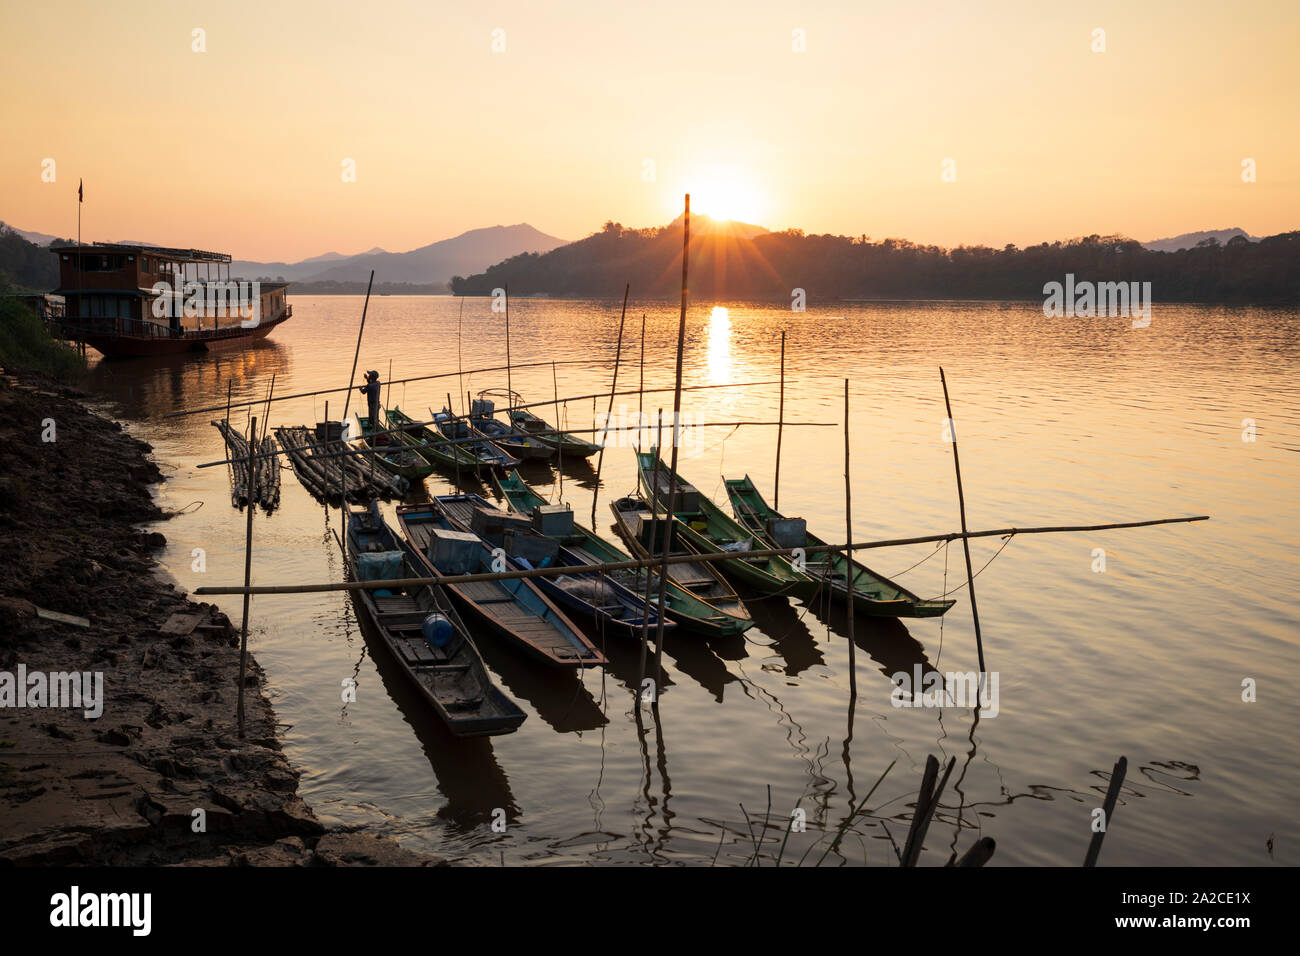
{"points": [[62, 618], [182, 623]]}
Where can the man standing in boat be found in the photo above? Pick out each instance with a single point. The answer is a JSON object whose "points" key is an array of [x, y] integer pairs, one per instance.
{"points": [[371, 391]]}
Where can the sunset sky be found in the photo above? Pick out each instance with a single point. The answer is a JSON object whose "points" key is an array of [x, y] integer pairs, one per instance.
{"points": [[240, 148]]}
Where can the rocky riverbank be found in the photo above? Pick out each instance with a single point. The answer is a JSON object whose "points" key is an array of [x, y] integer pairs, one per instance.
{"points": [[160, 776]]}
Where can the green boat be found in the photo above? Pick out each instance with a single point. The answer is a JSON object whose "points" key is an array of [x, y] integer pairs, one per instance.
{"points": [[689, 611], [569, 446], [428, 444], [873, 594], [643, 533], [391, 454], [707, 528]]}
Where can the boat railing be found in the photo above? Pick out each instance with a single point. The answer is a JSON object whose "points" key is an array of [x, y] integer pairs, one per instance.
{"points": [[76, 326]]}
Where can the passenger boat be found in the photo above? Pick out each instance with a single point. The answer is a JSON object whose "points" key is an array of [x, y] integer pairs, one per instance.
{"points": [[602, 600], [644, 531], [484, 453], [443, 664], [685, 608], [130, 299], [706, 527], [391, 454], [427, 443], [513, 608], [873, 594]]}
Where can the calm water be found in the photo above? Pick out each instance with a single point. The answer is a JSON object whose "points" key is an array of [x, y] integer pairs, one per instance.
{"points": [[1060, 421]]}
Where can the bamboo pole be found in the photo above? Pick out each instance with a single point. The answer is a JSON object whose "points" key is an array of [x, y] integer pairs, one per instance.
{"points": [[640, 406], [509, 387], [559, 425], [651, 562], [352, 379], [672, 468], [654, 537], [455, 448], [965, 541], [613, 386], [248, 576], [1107, 810], [780, 417], [548, 432], [400, 381], [927, 802], [231, 472], [848, 557]]}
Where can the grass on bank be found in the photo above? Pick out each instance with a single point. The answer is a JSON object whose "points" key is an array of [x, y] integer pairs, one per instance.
{"points": [[25, 343]]}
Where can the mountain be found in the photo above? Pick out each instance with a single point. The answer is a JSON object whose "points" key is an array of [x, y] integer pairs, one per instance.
{"points": [[1189, 240], [429, 267], [774, 266], [436, 263], [38, 238]]}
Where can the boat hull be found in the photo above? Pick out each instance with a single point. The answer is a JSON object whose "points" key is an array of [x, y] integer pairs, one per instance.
{"points": [[113, 345]]}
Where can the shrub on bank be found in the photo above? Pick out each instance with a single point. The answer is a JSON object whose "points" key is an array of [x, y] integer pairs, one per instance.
{"points": [[25, 343]]}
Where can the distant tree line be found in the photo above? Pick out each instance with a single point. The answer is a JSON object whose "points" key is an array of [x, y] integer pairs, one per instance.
{"points": [[727, 265]]}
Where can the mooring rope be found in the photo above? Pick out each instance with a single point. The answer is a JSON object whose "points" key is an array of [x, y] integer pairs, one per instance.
{"points": [[1006, 541]]}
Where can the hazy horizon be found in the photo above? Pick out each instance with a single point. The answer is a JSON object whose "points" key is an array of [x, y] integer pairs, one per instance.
{"points": [[241, 147]]}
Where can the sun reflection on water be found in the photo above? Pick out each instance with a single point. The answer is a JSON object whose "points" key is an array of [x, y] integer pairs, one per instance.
{"points": [[719, 345]]}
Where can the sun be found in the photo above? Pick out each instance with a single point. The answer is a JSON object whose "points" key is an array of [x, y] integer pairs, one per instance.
{"points": [[727, 194]]}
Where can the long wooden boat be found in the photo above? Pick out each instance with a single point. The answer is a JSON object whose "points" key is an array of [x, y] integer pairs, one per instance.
{"points": [[446, 668], [642, 530], [427, 443], [691, 612], [706, 527], [526, 423], [609, 606], [391, 454], [873, 594], [485, 452], [568, 446], [514, 608], [505, 436]]}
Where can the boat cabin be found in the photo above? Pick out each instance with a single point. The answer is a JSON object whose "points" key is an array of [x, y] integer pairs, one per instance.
{"points": [[125, 289]]}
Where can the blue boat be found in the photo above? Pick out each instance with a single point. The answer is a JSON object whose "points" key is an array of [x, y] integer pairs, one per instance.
{"points": [[513, 608], [610, 607], [423, 633]]}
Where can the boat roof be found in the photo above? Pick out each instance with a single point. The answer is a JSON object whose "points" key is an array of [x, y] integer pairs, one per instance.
{"points": [[140, 248]]}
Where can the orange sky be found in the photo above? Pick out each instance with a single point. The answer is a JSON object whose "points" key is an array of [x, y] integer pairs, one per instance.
{"points": [[239, 148]]}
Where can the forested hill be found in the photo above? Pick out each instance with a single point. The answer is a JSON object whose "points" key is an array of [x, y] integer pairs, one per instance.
{"points": [[740, 264], [25, 265]]}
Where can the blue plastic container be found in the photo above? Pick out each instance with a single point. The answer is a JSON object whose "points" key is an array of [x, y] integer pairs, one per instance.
{"points": [[437, 630]]}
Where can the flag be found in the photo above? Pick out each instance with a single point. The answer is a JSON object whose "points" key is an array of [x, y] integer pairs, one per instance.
{"points": [[79, 195]]}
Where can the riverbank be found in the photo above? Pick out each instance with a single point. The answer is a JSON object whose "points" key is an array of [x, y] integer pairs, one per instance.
{"points": [[159, 777]]}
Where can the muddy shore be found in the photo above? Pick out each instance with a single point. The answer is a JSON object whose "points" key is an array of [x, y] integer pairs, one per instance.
{"points": [[124, 787]]}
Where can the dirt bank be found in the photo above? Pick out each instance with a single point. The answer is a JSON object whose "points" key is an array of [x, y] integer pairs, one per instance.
{"points": [[123, 788]]}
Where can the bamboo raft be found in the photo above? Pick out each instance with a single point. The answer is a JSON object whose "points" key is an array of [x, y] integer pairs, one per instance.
{"points": [[267, 490], [330, 476]]}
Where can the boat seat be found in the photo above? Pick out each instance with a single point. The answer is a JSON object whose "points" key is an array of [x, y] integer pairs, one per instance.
{"points": [[465, 703]]}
